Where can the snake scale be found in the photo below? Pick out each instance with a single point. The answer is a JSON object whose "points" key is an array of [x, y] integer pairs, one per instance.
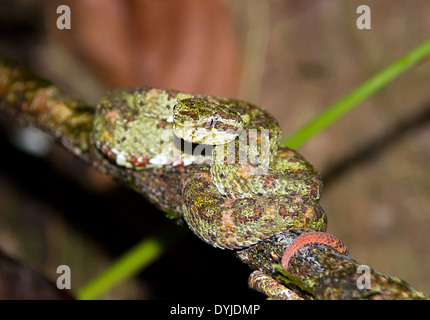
{"points": [[242, 188]]}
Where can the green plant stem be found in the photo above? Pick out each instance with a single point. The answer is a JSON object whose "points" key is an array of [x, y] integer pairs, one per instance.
{"points": [[132, 262], [347, 103]]}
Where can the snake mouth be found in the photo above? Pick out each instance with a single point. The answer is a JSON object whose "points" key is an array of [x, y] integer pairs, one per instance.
{"points": [[201, 135]]}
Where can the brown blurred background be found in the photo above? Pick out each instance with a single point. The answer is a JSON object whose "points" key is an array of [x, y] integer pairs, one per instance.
{"points": [[293, 58]]}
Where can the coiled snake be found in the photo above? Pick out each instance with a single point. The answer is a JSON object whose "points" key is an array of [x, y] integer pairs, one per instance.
{"points": [[249, 189]]}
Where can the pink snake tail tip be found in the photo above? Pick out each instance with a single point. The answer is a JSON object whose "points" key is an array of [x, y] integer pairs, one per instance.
{"points": [[312, 238]]}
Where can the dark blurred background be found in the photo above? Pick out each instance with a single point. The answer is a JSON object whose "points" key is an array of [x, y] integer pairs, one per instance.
{"points": [[293, 58]]}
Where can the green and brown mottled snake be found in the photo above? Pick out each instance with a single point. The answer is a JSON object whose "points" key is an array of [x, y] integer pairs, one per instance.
{"points": [[243, 190]]}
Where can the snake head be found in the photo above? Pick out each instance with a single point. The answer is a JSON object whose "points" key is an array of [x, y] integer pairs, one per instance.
{"points": [[204, 122]]}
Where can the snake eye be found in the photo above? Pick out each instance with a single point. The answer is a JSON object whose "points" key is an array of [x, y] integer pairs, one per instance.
{"points": [[210, 122]]}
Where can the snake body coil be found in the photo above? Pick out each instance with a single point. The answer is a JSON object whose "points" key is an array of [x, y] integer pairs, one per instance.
{"points": [[241, 197]]}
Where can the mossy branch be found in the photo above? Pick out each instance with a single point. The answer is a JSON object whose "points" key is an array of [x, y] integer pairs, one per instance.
{"points": [[318, 273], [38, 103]]}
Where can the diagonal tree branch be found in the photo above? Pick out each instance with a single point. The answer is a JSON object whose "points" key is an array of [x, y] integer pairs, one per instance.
{"points": [[35, 102], [317, 273], [320, 272]]}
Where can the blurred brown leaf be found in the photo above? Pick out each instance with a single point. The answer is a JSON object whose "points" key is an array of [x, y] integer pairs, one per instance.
{"points": [[189, 45]]}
